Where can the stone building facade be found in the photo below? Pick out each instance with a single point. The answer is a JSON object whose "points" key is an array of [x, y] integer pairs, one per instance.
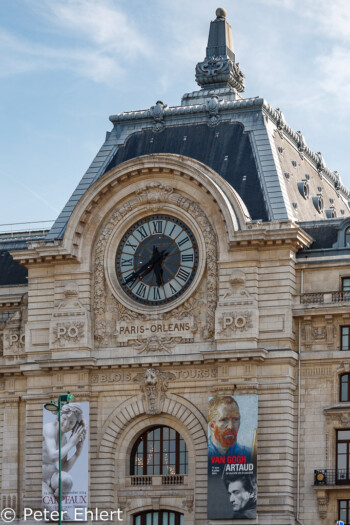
{"points": [[266, 311]]}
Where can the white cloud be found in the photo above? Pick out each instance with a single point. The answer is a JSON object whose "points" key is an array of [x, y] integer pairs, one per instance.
{"points": [[102, 23], [96, 40]]}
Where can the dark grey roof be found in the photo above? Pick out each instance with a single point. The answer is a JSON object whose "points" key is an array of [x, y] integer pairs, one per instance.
{"points": [[11, 272], [324, 233], [225, 148]]}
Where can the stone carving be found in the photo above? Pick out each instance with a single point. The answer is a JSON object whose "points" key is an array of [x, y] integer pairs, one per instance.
{"points": [[235, 322], [188, 502], [219, 69], [319, 333], [153, 384], [65, 334], [157, 113], [155, 343], [154, 194], [213, 110], [237, 311], [237, 293], [70, 322], [322, 501], [14, 331]]}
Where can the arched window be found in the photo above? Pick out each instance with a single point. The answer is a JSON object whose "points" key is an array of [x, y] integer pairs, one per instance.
{"points": [[344, 387], [159, 517], [347, 237], [159, 451]]}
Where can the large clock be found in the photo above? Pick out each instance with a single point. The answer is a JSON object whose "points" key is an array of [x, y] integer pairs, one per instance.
{"points": [[157, 260]]}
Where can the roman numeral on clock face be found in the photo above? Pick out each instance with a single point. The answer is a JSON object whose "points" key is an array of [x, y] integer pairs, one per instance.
{"points": [[141, 290], [142, 232], [157, 227], [183, 275], [126, 262], [183, 241], [130, 245], [187, 257], [156, 294]]}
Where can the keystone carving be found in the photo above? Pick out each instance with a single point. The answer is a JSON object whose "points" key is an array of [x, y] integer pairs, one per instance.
{"points": [[153, 385]]}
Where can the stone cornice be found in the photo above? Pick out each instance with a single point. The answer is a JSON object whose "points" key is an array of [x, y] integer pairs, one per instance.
{"points": [[279, 233]]}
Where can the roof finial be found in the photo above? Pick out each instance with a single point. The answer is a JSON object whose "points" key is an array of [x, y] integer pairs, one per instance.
{"points": [[220, 12], [219, 68]]}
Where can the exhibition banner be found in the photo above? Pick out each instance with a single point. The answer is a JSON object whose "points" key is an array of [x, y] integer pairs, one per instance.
{"points": [[74, 462], [232, 456]]}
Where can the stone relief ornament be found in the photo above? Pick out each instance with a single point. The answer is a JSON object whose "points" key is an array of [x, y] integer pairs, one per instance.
{"points": [[237, 293], [70, 322], [157, 113], [235, 322], [14, 330], [153, 385], [155, 194], [216, 69], [155, 343], [188, 502]]}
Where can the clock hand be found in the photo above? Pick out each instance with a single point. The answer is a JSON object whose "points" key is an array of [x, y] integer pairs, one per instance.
{"points": [[159, 273], [157, 257], [145, 268]]}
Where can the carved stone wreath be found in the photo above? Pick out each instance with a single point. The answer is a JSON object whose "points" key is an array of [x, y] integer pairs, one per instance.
{"points": [[154, 195]]}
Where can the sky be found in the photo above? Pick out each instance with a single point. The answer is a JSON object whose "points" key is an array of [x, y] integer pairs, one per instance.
{"points": [[67, 65]]}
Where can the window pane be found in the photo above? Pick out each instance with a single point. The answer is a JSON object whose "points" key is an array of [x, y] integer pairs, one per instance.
{"points": [[172, 518], [165, 518], [181, 519], [149, 519], [163, 446], [138, 520], [344, 392], [346, 284], [343, 434], [155, 518]]}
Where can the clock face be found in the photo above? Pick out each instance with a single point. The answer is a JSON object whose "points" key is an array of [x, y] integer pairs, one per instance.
{"points": [[157, 260]]}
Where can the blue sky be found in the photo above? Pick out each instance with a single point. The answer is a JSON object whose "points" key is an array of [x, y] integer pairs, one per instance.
{"points": [[66, 65]]}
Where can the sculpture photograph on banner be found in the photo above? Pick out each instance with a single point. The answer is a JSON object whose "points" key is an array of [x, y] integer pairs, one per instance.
{"points": [[74, 461], [232, 456]]}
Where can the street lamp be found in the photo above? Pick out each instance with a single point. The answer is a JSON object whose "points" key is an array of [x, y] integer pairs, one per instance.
{"points": [[63, 399]]}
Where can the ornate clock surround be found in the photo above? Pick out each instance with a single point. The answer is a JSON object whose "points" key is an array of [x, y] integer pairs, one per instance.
{"points": [[153, 197]]}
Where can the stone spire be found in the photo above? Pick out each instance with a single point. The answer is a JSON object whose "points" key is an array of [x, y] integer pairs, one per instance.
{"points": [[219, 68]]}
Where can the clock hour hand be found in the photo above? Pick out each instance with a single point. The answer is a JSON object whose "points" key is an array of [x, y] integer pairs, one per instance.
{"points": [[158, 270], [145, 268]]}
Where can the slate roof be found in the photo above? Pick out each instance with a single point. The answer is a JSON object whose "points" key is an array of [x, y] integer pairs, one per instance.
{"points": [[224, 148], [11, 272]]}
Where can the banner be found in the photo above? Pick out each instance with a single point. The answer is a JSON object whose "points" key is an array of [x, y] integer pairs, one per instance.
{"points": [[74, 462], [232, 457]]}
